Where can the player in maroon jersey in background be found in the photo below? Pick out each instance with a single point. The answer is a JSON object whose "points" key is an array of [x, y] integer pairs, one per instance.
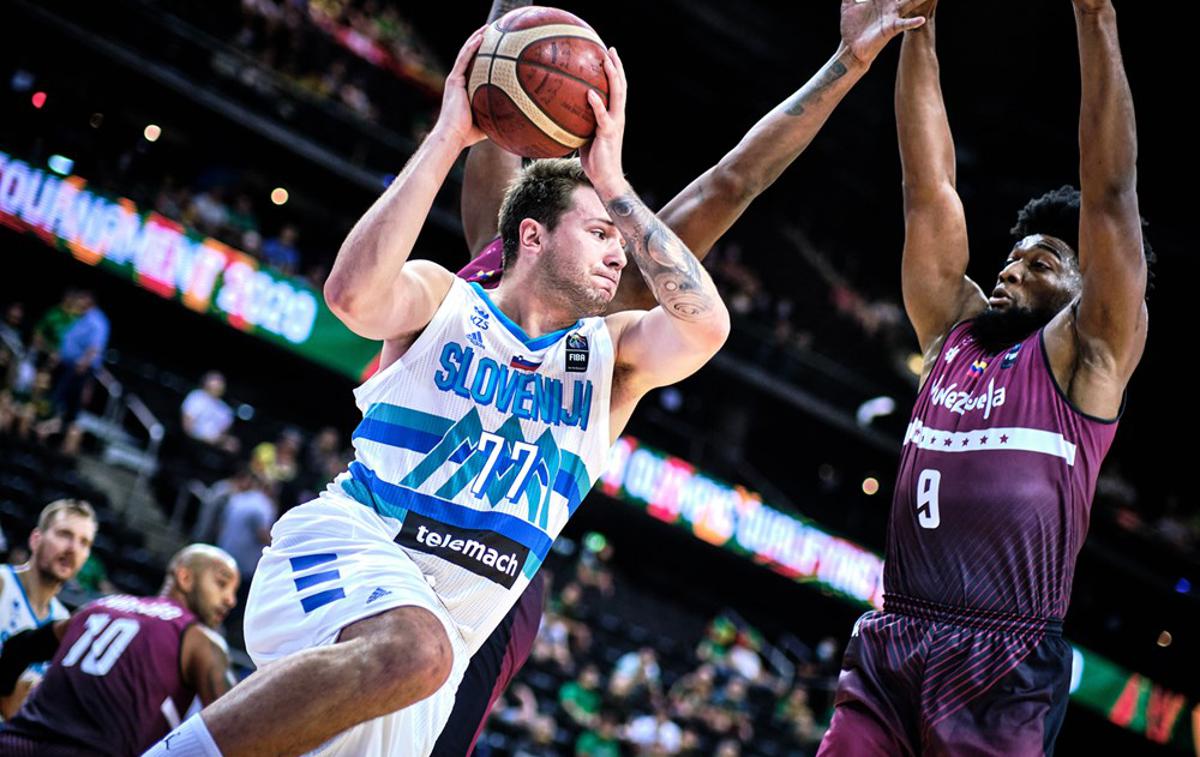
{"points": [[125, 668], [1019, 401]]}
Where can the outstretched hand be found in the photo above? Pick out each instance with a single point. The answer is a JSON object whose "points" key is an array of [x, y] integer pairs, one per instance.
{"points": [[868, 25]]}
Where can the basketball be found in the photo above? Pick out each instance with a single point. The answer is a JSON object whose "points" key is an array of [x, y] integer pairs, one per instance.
{"points": [[529, 82]]}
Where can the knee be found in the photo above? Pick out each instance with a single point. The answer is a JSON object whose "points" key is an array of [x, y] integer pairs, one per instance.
{"points": [[410, 661]]}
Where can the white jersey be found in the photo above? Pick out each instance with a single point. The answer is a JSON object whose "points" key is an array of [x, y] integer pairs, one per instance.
{"points": [[16, 614], [481, 443]]}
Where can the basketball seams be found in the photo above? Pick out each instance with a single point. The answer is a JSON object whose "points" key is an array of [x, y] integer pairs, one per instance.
{"points": [[535, 100], [553, 70], [507, 72]]}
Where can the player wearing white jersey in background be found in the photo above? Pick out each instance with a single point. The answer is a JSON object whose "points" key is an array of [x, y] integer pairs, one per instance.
{"points": [[58, 547], [477, 443]]}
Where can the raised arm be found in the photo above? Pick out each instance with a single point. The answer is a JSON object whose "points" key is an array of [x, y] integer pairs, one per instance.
{"points": [[372, 287], [1112, 319], [488, 172], [937, 292], [707, 207], [691, 323]]}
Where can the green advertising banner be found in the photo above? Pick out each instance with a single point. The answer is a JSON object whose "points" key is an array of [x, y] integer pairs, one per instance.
{"points": [[674, 491], [162, 256]]}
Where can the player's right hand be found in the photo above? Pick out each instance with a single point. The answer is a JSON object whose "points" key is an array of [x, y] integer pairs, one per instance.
{"points": [[868, 25], [456, 115]]}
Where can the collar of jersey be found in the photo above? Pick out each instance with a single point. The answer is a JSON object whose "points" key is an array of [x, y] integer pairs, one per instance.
{"points": [[32, 612], [539, 343]]}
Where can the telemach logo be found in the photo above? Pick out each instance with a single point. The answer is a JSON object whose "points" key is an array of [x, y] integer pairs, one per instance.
{"points": [[484, 553]]}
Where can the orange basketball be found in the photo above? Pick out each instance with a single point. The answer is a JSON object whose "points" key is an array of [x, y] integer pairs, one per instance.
{"points": [[530, 78]]}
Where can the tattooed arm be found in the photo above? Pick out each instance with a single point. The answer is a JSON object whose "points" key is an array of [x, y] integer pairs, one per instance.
{"points": [[707, 207], [691, 323]]}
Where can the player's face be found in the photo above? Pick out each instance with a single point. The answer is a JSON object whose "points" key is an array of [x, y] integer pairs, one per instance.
{"points": [[1040, 275], [214, 593], [586, 254], [61, 550]]}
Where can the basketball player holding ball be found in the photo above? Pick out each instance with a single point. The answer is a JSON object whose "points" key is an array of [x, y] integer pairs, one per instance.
{"points": [[478, 442]]}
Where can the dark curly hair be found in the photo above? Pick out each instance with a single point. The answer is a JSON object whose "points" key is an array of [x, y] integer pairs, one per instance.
{"points": [[1056, 214]]}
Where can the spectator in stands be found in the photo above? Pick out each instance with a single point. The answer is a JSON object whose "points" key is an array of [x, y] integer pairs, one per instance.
{"points": [[692, 693], [601, 739], [729, 748], [281, 252], [537, 740], [81, 355], [245, 529], [796, 717], [241, 218], [33, 408], [209, 211], [553, 643], [730, 713], [49, 330], [636, 677], [745, 660], [581, 699], [206, 417], [655, 734], [12, 326], [279, 461]]}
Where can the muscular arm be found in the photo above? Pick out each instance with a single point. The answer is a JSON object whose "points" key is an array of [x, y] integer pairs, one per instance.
{"points": [[205, 664], [689, 324], [488, 172], [707, 207], [1111, 320], [937, 292], [371, 288]]}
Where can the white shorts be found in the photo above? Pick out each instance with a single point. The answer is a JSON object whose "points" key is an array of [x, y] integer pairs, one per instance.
{"points": [[331, 563]]}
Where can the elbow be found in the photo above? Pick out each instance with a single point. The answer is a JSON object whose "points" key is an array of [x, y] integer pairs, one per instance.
{"points": [[339, 297], [1113, 197], [716, 328]]}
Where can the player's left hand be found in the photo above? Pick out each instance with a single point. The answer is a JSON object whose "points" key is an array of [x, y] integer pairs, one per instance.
{"points": [[601, 157], [868, 25]]}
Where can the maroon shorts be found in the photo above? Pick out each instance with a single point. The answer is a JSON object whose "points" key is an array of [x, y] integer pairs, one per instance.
{"points": [[935, 681]]}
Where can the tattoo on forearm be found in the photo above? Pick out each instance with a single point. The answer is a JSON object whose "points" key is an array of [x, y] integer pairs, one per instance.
{"points": [[815, 88], [669, 268]]}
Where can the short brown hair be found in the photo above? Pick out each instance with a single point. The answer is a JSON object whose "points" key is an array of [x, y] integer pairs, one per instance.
{"points": [[542, 191], [69, 506]]}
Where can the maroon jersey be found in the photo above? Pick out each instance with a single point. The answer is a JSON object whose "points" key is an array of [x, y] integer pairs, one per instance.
{"points": [[115, 685], [996, 479]]}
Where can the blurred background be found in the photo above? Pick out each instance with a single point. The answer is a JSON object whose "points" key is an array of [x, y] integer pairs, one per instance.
{"points": [[190, 168]]}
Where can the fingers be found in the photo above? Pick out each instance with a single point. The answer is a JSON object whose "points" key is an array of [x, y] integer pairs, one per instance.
{"points": [[907, 24], [467, 52], [618, 87], [603, 119]]}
